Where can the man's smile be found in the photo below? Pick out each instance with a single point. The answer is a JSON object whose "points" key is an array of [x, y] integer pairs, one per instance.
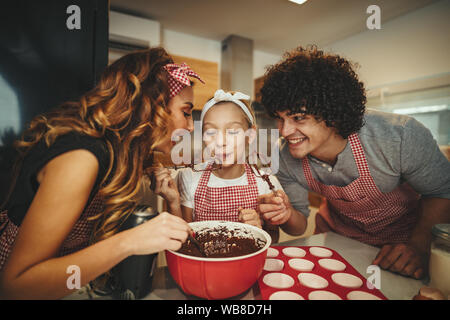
{"points": [[295, 141]]}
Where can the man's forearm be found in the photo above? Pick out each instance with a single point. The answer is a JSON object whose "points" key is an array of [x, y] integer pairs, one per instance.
{"points": [[296, 225], [431, 211], [273, 231]]}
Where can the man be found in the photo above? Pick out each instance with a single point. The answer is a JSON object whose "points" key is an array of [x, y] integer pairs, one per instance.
{"points": [[384, 179]]}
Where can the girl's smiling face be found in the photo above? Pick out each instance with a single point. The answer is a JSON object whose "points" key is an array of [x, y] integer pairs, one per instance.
{"points": [[224, 133]]}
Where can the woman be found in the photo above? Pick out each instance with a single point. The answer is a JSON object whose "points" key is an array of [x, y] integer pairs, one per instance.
{"points": [[80, 170]]}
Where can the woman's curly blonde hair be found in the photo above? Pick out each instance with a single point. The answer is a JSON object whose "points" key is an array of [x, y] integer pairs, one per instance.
{"points": [[128, 110]]}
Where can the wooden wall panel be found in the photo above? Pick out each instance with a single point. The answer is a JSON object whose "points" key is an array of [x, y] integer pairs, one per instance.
{"points": [[209, 72], [258, 83]]}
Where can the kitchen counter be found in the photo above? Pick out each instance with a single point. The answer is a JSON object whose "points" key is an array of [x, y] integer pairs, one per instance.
{"points": [[359, 255]]}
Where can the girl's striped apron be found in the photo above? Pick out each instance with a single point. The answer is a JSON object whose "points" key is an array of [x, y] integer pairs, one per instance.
{"points": [[222, 203]]}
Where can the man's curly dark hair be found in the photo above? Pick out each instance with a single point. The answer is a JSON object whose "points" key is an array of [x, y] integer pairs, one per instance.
{"points": [[313, 82]]}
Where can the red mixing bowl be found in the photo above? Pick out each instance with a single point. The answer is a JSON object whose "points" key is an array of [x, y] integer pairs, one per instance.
{"points": [[218, 278]]}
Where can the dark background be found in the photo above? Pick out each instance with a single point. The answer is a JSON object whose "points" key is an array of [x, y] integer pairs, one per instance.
{"points": [[43, 63]]}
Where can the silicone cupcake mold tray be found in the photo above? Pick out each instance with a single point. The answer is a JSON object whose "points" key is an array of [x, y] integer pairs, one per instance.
{"points": [[312, 273]]}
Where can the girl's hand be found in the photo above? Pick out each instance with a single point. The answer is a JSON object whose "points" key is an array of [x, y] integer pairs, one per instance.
{"points": [[275, 209], [165, 186], [250, 216], [164, 232]]}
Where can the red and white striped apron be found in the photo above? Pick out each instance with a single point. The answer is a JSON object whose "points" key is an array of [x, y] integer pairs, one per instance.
{"points": [[222, 203], [360, 210]]}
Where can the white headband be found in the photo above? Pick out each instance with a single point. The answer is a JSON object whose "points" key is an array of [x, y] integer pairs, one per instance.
{"points": [[221, 95]]}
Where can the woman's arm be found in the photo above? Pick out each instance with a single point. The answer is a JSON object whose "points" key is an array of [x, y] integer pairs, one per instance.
{"points": [[34, 271]]}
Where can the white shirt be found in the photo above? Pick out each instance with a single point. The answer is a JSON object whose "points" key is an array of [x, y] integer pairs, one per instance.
{"points": [[188, 181]]}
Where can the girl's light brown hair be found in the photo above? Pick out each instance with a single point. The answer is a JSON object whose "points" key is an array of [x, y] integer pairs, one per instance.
{"points": [[128, 110], [247, 104]]}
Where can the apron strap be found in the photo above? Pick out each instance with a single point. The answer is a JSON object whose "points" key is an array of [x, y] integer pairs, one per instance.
{"points": [[308, 175], [4, 219], [359, 155], [251, 178]]}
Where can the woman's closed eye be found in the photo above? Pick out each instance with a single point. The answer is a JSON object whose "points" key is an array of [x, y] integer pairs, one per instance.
{"points": [[187, 114]]}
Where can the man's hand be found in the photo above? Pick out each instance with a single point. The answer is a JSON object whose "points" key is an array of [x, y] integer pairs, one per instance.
{"points": [[275, 209], [403, 259], [250, 216]]}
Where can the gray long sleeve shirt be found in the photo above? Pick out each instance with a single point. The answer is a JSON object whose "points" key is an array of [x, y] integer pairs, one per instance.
{"points": [[398, 149]]}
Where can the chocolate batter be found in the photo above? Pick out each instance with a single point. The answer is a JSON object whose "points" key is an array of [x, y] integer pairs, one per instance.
{"points": [[221, 242]]}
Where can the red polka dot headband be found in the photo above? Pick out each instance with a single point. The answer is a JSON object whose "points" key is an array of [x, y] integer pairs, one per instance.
{"points": [[179, 77]]}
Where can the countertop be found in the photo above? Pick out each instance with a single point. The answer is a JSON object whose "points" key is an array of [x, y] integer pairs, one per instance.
{"points": [[359, 255]]}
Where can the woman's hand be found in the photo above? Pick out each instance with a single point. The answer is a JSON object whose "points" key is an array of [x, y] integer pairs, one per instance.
{"points": [[164, 232], [250, 216], [165, 186]]}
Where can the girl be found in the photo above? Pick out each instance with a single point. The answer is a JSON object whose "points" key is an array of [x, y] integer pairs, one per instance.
{"points": [[80, 171], [230, 193]]}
